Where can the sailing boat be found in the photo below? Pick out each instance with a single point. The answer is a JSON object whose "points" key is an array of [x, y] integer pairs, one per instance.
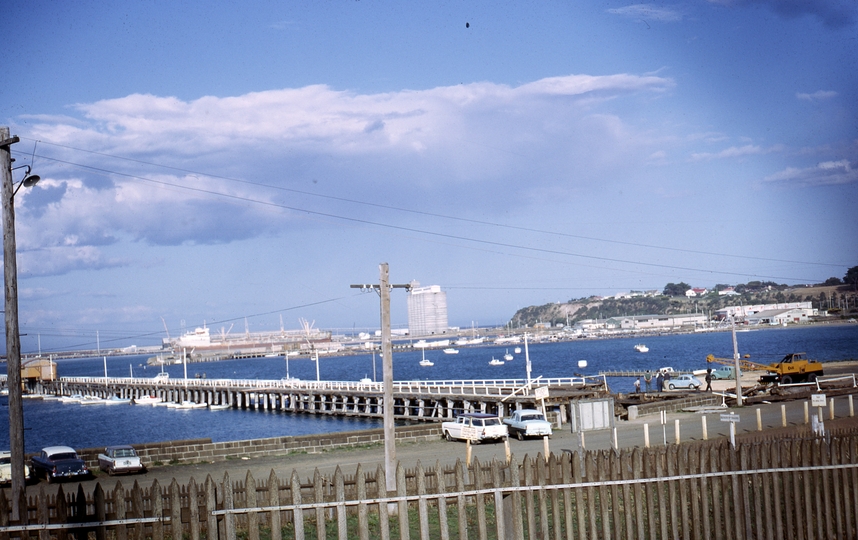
{"points": [[507, 356], [424, 362]]}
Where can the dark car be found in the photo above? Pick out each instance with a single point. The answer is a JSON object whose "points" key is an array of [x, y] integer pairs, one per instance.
{"points": [[56, 462]]}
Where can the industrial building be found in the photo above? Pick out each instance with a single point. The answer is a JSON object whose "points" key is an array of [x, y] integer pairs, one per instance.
{"points": [[427, 310]]}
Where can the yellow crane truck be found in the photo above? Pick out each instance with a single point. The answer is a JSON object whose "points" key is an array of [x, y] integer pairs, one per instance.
{"points": [[793, 368]]}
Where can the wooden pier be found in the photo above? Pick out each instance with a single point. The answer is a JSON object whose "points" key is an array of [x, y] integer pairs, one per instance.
{"points": [[430, 401]]}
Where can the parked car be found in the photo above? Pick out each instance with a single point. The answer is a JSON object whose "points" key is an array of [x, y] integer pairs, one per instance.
{"points": [[528, 423], [55, 462], [476, 427], [685, 381], [121, 459], [724, 372], [6, 468]]}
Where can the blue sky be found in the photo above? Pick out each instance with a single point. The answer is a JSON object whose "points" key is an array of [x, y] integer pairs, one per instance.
{"points": [[204, 162]]}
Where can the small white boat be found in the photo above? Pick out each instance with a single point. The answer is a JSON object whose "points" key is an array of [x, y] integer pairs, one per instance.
{"points": [[424, 362], [495, 362], [640, 347], [187, 405], [116, 400], [451, 350], [507, 356], [92, 400], [74, 398], [221, 407], [517, 350], [147, 400]]}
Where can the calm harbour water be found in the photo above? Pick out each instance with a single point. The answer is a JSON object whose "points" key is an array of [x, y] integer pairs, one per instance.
{"points": [[50, 422]]}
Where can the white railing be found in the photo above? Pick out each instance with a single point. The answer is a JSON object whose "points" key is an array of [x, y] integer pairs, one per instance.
{"points": [[458, 386]]}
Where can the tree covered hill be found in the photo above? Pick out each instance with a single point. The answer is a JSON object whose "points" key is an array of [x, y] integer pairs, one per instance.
{"points": [[837, 298]]}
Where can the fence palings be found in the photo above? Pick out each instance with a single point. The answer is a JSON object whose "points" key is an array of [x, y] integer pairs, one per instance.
{"points": [[766, 489]]}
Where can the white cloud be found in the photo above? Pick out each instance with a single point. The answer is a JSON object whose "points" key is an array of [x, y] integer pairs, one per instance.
{"points": [[823, 173], [732, 152], [468, 138], [819, 95], [648, 12]]}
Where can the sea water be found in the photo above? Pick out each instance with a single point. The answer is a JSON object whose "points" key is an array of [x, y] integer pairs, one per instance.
{"points": [[49, 422]]}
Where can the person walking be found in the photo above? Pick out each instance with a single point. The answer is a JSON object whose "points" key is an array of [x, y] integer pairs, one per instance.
{"points": [[709, 380]]}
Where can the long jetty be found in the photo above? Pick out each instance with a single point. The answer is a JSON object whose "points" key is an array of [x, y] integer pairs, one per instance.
{"points": [[431, 401]]}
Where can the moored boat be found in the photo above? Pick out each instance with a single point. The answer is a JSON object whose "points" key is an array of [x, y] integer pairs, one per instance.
{"points": [[495, 362], [451, 350], [640, 347]]}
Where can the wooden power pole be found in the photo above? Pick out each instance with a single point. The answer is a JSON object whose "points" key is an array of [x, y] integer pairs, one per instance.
{"points": [[13, 339], [383, 289]]}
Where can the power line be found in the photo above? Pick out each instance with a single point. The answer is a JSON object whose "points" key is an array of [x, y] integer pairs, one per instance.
{"points": [[412, 229], [424, 213]]}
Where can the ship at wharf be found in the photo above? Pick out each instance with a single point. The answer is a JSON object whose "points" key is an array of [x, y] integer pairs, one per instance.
{"points": [[421, 401]]}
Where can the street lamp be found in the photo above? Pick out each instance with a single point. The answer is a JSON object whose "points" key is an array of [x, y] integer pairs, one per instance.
{"points": [[13, 338]]}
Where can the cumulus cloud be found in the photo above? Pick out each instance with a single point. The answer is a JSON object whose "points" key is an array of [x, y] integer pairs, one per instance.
{"points": [[824, 173], [166, 171], [833, 13], [733, 152], [648, 12], [819, 95]]}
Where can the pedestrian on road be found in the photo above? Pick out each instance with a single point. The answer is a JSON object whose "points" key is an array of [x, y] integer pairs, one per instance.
{"points": [[709, 380]]}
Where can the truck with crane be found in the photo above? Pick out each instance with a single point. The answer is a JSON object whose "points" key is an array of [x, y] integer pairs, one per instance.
{"points": [[793, 368]]}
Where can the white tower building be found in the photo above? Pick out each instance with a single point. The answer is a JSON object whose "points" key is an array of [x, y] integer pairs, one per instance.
{"points": [[427, 310]]}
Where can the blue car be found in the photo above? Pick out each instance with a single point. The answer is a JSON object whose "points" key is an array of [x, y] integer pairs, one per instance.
{"points": [[685, 381]]}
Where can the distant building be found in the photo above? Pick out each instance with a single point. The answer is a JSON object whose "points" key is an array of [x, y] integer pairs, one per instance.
{"points": [[427, 310], [728, 291], [691, 293], [746, 312]]}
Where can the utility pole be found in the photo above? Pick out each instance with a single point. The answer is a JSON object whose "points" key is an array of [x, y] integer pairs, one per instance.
{"points": [[383, 289], [13, 338], [736, 363]]}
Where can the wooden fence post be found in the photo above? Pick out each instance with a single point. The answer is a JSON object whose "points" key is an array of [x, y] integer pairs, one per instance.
{"points": [[228, 504], [274, 500], [175, 510], [193, 510], [500, 514], [297, 498], [554, 478], [318, 496], [119, 510], [44, 514], [211, 506], [529, 508], [383, 508], [660, 459], [250, 502], [402, 507], [460, 499], [340, 497], [137, 510], [477, 475], [422, 505], [513, 523], [441, 483], [362, 509], [539, 465], [62, 512], [157, 510]]}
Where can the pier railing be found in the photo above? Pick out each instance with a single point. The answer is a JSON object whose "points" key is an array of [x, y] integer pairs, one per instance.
{"points": [[498, 387]]}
